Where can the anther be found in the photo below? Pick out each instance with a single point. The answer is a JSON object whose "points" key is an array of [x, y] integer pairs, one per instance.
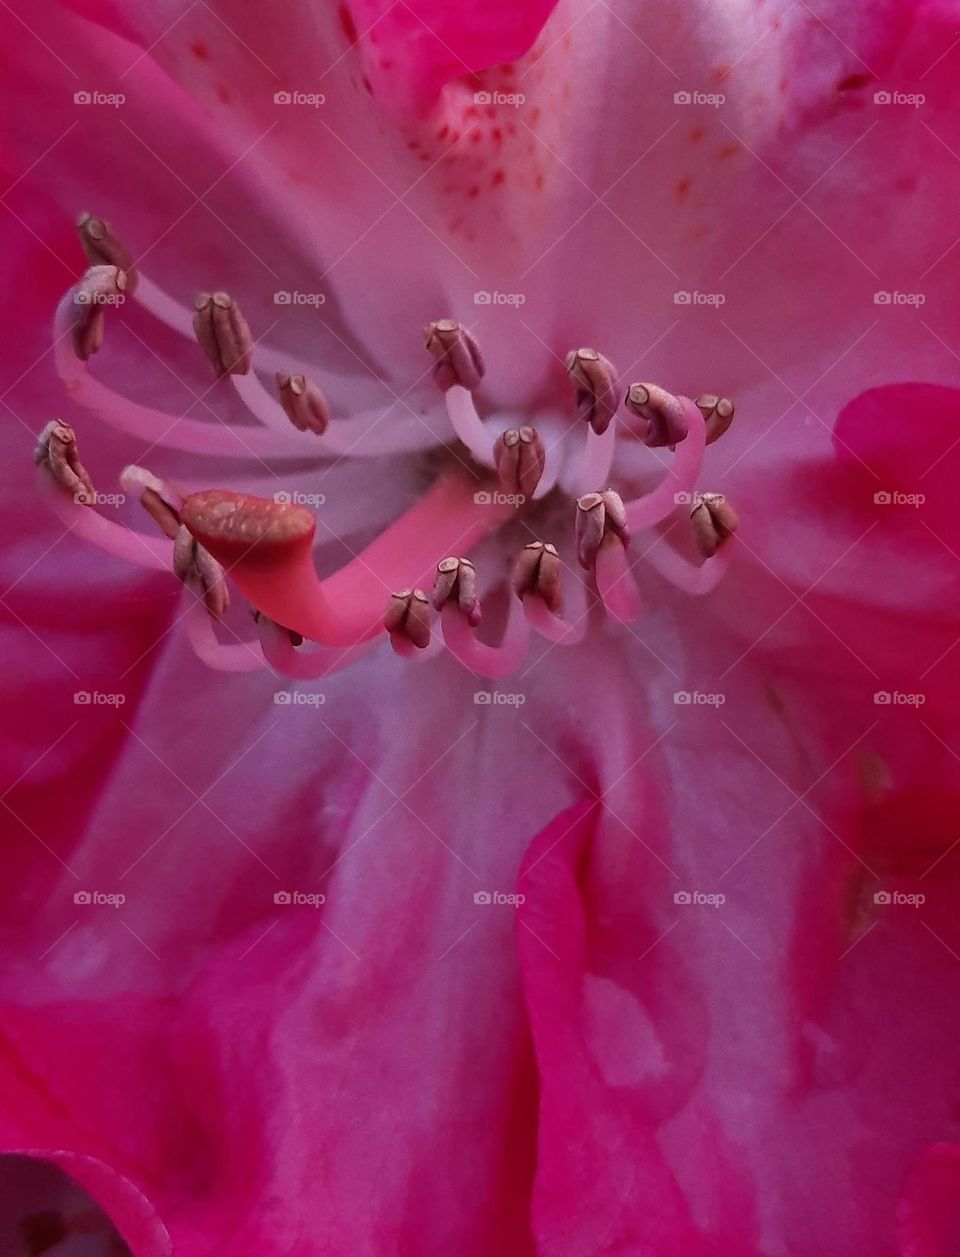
{"points": [[457, 354], [662, 421], [103, 247], [537, 571], [303, 403], [594, 379], [519, 457], [196, 566], [599, 516], [408, 616], [158, 499], [100, 287], [57, 451], [456, 582], [717, 414], [714, 522], [223, 333]]}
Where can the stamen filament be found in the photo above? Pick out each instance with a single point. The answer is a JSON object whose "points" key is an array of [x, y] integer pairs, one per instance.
{"points": [[468, 425], [106, 534], [405, 649], [558, 629], [300, 664], [697, 580], [597, 457], [477, 656], [221, 656], [680, 479], [615, 582]]}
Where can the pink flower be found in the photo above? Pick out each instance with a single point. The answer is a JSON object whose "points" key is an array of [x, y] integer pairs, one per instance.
{"points": [[644, 943]]}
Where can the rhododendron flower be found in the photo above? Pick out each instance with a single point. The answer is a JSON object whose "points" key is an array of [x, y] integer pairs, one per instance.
{"points": [[480, 635]]}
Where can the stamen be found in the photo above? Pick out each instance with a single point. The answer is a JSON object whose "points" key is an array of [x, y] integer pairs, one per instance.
{"points": [[266, 547], [407, 619], [477, 656], [680, 480], [598, 454], [196, 566], [683, 575], [468, 425], [223, 334], [594, 378], [221, 656], [303, 665], [103, 247], [537, 572], [714, 523], [717, 413], [457, 354], [599, 515], [303, 403], [57, 451], [158, 498], [615, 581], [456, 584], [101, 286], [519, 456], [661, 416]]}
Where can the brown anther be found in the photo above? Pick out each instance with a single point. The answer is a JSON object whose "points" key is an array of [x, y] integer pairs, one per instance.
{"points": [[594, 379], [223, 333], [408, 615], [101, 286], [660, 415], [714, 522], [537, 571], [600, 516], [157, 498], [456, 582], [103, 247], [457, 354], [519, 456], [197, 567], [57, 451], [717, 414], [303, 403]]}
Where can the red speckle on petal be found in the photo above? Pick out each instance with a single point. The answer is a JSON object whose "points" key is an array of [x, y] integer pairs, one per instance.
{"points": [[721, 72], [539, 181], [367, 84], [497, 134], [200, 50], [347, 24], [443, 132], [683, 188], [728, 150], [386, 63], [697, 134], [474, 192], [223, 93], [498, 178], [476, 137]]}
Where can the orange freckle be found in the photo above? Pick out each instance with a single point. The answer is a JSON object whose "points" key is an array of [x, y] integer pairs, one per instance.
{"points": [[720, 73], [200, 50], [223, 93], [683, 188], [697, 134], [728, 150], [498, 178]]}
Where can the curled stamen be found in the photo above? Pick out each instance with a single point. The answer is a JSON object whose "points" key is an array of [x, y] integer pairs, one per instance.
{"points": [[714, 523], [682, 574], [456, 584], [223, 334], [57, 451], [195, 565], [103, 247], [303, 403], [295, 639], [407, 619], [678, 484], [100, 287], [661, 416], [519, 456], [594, 379], [599, 516], [303, 665], [457, 354], [717, 414], [477, 656], [468, 425], [221, 656], [615, 581], [536, 572], [159, 499]]}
